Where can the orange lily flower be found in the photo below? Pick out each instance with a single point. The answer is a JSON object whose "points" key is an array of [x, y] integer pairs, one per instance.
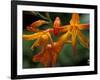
{"points": [[75, 29], [34, 26], [49, 54]]}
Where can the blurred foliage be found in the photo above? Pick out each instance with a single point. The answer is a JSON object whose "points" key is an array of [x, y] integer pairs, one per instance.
{"points": [[66, 57]]}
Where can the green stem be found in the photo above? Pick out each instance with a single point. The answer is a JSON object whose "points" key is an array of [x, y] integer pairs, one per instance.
{"points": [[48, 16], [38, 14], [42, 16]]}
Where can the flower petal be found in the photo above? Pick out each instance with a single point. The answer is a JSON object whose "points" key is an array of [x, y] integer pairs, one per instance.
{"points": [[83, 40], [51, 41], [54, 52], [34, 25], [75, 19], [43, 58], [63, 38], [35, 44], [83, 26], [32, 36], [41, 41], [54, 58], [65, 28], [38, 23], [74, 35], [29, 28]]}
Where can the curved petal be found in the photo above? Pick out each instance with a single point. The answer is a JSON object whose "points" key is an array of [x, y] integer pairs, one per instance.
{"points": [[74, 40], [32, 29], [38, 23], [54, 58], [35, 44], [65, 28], [83, 40], [51, 40], [83, 26], [32, 36], [63, 38], [41, 41], [75, 19], [43, 58], [34, 25]]}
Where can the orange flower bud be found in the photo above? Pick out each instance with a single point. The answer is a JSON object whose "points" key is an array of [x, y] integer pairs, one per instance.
{"points": [[56, 26]]}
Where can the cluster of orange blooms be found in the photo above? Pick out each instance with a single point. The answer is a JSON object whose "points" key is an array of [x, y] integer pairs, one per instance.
{"points": [[50, 50]]}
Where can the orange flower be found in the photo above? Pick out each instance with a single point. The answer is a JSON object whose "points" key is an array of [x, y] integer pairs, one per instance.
{"points": [[34, 26], [49, 54], [75, 29]]}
